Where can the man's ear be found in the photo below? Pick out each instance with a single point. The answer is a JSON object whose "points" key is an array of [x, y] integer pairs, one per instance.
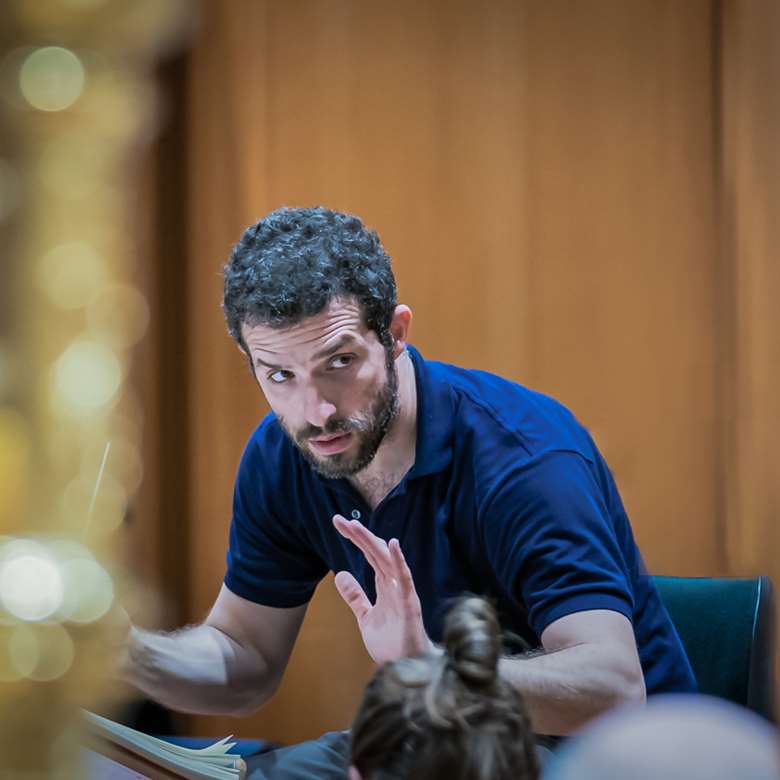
{"points": [[353, 773], [399, 328]]}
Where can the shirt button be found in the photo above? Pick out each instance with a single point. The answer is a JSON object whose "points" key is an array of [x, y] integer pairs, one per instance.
{"points": [[356, 514]]}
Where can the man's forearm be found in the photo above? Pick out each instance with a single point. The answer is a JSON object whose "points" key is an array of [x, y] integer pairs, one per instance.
{"points": [[198, 670], [566, 688]]}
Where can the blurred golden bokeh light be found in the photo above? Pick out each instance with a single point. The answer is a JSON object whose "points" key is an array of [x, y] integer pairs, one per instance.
{"points": [[78, 100], [15, 446], [71, 167], [52, 579], [124, 464], [51, 78], [86, 377], [31, 583], [56, 651], [119, 314], [41, 652], [89, 590], [6, 371], [107, 513], [9, 189], [71, 274], [24, 651]]}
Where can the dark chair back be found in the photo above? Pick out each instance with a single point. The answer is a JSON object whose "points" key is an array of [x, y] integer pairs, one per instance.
{"points": [[726, 625]]}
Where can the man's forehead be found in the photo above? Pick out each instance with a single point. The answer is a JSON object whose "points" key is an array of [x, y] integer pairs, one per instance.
{"points": [[339, 319]]}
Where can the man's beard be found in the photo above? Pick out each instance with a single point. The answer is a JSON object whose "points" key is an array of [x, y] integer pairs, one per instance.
{"points": [[368, 428]]}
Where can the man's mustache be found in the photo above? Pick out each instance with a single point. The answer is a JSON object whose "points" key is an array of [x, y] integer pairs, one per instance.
{"points": [[340, 425]]}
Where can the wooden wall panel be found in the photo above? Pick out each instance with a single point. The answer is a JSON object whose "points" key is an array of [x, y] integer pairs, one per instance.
{"points": [[544, 175], [225, 140], [621, 246], [750, 208]]}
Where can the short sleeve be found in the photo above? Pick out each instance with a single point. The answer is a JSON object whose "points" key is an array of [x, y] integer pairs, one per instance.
{"points": [[550, 540], [269, 560]]}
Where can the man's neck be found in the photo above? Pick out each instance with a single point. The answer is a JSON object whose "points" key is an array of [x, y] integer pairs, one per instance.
{"points": [[395, 455]]}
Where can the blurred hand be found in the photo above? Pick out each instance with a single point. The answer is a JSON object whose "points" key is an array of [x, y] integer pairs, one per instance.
{"points": [[114, 650], [105, 645], [392, 627]]}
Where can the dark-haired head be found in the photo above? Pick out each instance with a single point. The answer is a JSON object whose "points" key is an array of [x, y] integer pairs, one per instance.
{"points": [[292, 263], [449, 716]]}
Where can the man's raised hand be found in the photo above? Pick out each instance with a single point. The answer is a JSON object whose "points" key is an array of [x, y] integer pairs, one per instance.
{"points": [[393, 626]]}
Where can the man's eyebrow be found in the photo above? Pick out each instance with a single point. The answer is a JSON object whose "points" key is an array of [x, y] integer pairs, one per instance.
{"points": [[260, 362], [340, 343]]}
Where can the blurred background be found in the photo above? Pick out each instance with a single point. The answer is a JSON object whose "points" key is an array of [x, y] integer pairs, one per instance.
{"points": [[581, 196]]}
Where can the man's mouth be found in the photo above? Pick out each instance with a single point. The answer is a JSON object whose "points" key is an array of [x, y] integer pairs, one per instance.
{"points": [[331, 443]]}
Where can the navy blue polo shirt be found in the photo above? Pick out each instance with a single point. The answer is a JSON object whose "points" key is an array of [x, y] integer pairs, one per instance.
{"points": [[508, 497]]}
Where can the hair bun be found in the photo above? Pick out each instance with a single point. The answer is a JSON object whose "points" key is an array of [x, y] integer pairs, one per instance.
{"points": [[472, 639]]}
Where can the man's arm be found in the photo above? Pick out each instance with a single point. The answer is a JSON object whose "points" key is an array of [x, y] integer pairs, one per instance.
{"points": [[589, 665], [230, 664]]}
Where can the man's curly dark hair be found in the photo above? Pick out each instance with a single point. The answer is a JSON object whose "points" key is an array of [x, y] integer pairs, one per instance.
{"points": [[293, 262]]}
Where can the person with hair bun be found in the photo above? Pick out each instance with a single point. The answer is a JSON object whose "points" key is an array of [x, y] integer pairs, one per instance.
{"points": [[446, 715]]}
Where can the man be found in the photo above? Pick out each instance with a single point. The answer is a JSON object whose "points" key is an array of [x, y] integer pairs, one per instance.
{"points": [[414, 481]]}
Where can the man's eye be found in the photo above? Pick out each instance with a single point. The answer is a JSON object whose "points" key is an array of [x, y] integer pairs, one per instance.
{"points": [[279, 376], [342, 361]]}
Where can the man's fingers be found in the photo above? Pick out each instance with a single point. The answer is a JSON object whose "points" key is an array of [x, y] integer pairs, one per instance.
{"points": [[374, 548], [348, 530], [353, 594], [402, 573]]}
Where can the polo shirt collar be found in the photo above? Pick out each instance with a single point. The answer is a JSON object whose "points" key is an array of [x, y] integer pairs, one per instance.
{"points": [[435, 416]]}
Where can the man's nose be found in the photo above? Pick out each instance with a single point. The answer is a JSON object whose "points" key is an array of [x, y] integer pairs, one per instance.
{"points": [[316, 408]]}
